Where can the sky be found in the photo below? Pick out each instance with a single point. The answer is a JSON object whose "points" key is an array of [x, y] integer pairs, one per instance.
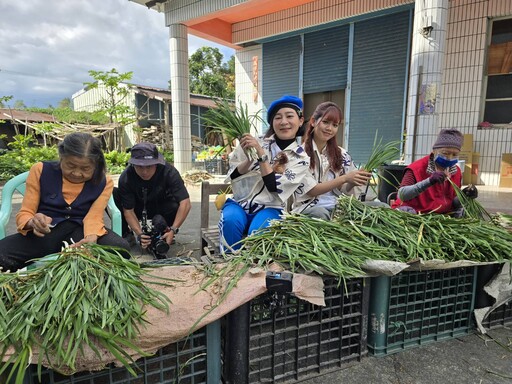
{"points": [[47, 47]]}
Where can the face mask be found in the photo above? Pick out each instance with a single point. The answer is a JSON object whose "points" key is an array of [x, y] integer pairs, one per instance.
{"points": [[443, 162]]}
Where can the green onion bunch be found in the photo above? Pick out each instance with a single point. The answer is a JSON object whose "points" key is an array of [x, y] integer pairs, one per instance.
{"points": [[430, 236], [232, 122], [86, 296], [504, 220], [303, 244], [472, 207], [381, 153]]}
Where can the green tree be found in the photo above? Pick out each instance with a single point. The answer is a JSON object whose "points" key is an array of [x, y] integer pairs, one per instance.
{"points": [[208, 76], [228, 70], [114, 104], [65, 103], [3, 100], [19, 104]]}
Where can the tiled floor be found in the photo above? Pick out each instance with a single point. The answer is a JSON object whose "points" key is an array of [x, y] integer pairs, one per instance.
{"points": [[495, 199]]}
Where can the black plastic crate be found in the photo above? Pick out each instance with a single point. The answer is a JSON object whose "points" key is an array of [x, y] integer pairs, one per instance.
{"points": [[500, 317], [192, 360], [415, 308], [276, 339], [214, 166]]}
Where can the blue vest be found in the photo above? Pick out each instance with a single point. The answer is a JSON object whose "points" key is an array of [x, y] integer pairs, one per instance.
{"points": [[52, 201]]}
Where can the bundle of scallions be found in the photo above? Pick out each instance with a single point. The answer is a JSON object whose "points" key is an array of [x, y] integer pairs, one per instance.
{"points": [[472, 207], [85, 295], [382, 153], [232, 122], [430, 236], [359, 233]]}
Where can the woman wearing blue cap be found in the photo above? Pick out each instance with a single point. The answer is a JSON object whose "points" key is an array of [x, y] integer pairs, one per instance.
{"points": [[262, 187]]}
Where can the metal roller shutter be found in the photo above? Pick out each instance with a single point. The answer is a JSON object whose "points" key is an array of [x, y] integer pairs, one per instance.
{"points": [[380, 62], [281, 65], [326, 60]]}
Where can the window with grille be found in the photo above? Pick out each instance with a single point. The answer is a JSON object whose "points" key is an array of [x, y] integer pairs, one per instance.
{"points": [[498, 97]]}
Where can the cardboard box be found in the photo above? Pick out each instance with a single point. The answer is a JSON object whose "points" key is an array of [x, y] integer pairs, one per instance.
{"points": [[506, 170], [475, 179], [468, 162], [466, 154], [467, 145]]}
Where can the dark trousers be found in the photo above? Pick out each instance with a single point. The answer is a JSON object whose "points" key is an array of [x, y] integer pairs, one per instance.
{"points": [[168, 212], [17, 251]]}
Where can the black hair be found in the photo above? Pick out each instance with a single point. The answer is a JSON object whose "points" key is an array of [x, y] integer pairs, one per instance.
{"points": [[80, 144]]}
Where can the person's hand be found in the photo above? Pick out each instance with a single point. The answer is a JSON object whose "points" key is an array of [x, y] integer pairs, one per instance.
{"points": [[458, 213], [470, 191], [406, 208], [437, 177], [247, 142], [87, 239], [357, 177], [168, 237], [40, 224], [144, 240]]}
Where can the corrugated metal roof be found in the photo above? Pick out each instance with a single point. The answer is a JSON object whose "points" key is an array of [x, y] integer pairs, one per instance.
{"points": [[7, 114], [165, 95]]}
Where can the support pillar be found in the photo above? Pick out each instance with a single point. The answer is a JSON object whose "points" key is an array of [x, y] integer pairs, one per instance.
{"points": [[180, 95], [427, 59]]}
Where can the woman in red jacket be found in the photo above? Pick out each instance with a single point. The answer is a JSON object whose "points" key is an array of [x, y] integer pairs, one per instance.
{"points": [[425, 187]]}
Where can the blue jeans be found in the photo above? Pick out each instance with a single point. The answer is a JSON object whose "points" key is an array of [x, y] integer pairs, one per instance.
{"points": [[235, 223]]}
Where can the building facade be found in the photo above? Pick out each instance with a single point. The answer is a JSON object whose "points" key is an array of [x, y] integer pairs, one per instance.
{"points": [[399, 68], [151, 107]]}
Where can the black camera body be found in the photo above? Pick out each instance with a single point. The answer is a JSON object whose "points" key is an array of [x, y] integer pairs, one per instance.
{"points": [[158, 247]]}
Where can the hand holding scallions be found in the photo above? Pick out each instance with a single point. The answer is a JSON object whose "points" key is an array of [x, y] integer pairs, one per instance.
{"points": [[356, 177], [251, 147]]}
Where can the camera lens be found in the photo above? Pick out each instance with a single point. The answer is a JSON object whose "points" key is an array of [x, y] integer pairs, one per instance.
{"points": [[161, 247]]}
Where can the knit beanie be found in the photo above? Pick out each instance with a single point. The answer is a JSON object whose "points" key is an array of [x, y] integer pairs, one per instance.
{"points": [[449, 138], [285, 101]]}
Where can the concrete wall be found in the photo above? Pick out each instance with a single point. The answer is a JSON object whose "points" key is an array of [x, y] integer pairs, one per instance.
{"points": [[310, 14], [463, 87], [248, 70]]}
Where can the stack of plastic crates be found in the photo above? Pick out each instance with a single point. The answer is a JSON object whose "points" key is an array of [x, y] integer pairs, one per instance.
{"points": [[280, 338], [192, 360], [415, 308]]}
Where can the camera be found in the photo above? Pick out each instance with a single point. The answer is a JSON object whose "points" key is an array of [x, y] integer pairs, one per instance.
{"points": [[158, 246], [280, 282]]}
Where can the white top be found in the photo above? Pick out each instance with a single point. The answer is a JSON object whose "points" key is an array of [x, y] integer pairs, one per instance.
{"points": [[293, 178], [323, 173]]}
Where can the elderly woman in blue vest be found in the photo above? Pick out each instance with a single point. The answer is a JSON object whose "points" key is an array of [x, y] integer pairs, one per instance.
{"points": [[64, 201], [262, 187]]}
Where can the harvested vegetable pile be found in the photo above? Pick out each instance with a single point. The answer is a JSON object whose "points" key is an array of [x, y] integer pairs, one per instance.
{"points": [[86, 295], [423, 236], [359, 233]]}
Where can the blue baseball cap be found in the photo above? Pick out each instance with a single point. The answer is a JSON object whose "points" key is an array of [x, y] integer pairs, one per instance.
{"points": [[285, 101]]}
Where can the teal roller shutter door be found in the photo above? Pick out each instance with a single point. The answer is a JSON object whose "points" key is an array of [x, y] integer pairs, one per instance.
{"points": [[281, 63], [380, 62], [326, 60]]}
